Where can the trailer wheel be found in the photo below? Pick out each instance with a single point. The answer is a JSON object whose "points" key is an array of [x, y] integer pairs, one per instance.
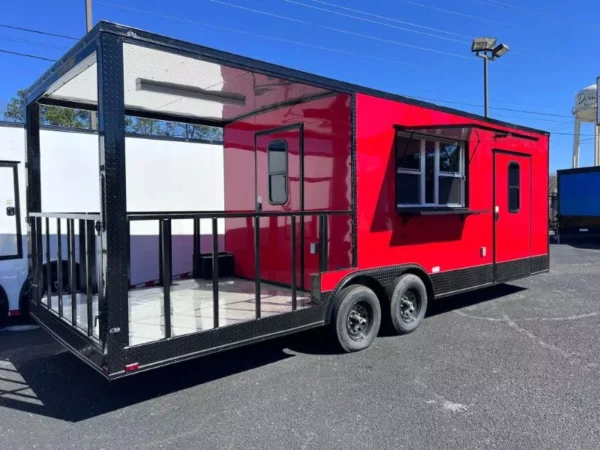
{"points": [[356, 318], [408, 303], [3, 306]]}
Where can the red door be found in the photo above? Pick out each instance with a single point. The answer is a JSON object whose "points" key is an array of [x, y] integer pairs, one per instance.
{"points": [[512, 209], [278, 189]]}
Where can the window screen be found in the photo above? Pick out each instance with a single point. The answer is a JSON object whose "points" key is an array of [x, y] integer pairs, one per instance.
{"points": [[514, 187], [278, 172]]}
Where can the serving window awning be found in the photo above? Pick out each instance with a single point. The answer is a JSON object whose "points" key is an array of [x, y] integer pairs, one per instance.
{"points": [[460, 132]]}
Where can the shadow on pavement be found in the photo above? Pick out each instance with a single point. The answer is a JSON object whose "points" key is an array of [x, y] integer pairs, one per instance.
{"points": [[447, 304], [39, 377]]}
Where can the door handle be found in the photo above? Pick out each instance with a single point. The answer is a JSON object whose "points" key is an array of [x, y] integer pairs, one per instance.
{"points": [[497, 213], [10, 211]]}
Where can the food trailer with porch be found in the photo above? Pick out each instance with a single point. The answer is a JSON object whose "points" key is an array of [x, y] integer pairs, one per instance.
{"points": [[344, 206]]}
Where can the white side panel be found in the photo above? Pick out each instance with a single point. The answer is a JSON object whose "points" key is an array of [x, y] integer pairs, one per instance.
{"points": [[13, 272], [69, 172], [162, 175], [172, 176], [8, 223]]}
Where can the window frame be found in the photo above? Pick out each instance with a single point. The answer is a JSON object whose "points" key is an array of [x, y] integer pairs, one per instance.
{"points": [[461, 174], [285, 173], [517, 187]]}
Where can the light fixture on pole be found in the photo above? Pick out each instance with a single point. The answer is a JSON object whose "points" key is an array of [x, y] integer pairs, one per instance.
{"points": [[487, 49]]}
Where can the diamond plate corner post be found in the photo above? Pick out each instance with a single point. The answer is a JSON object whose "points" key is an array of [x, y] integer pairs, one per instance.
{"points": [[33, 199], [113, 229]]}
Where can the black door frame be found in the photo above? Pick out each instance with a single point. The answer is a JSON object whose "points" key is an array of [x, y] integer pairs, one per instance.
{"points": [[300, 127], [494, 220], [15, 166]]}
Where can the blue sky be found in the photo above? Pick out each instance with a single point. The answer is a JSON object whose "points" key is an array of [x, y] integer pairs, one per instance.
{"points": [[554, 47]]}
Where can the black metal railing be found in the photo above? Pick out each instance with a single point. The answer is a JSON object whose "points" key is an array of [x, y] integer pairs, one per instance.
{"points": [[165, 249], [83, 270]]}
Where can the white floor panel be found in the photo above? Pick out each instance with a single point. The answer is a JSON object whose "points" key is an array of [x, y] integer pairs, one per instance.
{"points": [[191, 307]]}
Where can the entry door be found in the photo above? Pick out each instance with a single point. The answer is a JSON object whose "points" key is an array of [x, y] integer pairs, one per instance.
{"points": [[10, 230], [278, 189], [512, 214]]}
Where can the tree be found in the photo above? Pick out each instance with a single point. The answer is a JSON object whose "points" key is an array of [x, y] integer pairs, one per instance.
{"points": [[552, 183], [49, 115], [79, 118]]}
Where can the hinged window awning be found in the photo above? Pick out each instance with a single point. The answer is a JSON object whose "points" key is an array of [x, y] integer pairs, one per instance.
{"points": [[460, 132]]}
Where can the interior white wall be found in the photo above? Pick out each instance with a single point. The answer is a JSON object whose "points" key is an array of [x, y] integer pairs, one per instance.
{"points": [[162, 175]]}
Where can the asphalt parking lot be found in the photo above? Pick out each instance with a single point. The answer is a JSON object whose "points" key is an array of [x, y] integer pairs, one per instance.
{"points": [[512, 367]]}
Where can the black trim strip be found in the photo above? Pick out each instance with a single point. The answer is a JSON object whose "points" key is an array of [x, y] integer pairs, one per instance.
{"points": [[137, 36], [17, 206], [178, 348], [128, 135]]}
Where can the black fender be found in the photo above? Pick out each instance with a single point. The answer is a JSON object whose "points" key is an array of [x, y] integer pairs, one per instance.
{"points": [[381, 280]]}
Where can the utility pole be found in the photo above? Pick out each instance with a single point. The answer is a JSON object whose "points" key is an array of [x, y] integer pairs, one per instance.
{"points": [[88, 27]]}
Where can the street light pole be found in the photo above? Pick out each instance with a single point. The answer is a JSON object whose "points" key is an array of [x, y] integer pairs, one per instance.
{"points": [[487, 49], [88, 15], [485, 85], [88, 27]]}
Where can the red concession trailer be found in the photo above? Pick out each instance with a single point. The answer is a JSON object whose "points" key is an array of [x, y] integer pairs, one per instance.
{"points": [[343, 206]]}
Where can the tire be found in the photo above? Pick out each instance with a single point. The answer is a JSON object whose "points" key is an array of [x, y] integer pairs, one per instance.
{"points": [[356, 318], [408, 304], [3, 307]]}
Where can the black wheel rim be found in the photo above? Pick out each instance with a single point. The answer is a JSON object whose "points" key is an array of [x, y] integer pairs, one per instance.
{"points": [[410, 306], [359, 321]]}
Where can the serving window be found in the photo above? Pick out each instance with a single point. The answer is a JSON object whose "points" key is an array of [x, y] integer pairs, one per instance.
{"points": [[430, 171]]}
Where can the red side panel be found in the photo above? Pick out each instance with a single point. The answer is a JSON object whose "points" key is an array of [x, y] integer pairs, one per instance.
{"points": [[326, 141], [437, 243]]}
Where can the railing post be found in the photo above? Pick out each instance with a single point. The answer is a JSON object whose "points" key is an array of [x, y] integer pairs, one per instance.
{"points": [[48, 266], [215, 272], [82, 252], [294, 300], [161, 275], [166, 271], [72, 270], [100, 278], [35, 287], [323, 238], [40, 259], [89, 266], [257, 264], [197, 249], [59, 272]]}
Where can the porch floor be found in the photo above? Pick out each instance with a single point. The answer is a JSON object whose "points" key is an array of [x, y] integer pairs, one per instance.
{"points": [[191, 307]]}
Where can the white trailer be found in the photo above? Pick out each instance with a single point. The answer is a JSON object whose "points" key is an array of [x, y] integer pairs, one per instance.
{"points": [[156, 181]]}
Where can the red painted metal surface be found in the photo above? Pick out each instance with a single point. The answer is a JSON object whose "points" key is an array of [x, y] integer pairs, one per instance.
{"points": [[437, 243], [326, 142], [275, 244], [513, 228]]}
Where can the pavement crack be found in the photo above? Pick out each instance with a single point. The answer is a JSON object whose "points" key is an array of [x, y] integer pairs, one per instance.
{"points": [[571, 357]]}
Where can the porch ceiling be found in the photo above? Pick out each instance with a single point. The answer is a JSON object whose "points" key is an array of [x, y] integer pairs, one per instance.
{"points": [[164, 82]]}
